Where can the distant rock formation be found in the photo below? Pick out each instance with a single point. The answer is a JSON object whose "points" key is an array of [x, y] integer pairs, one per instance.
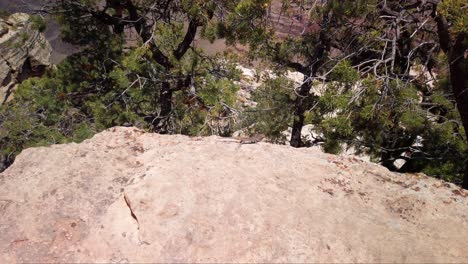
{"points": [[24, 52], [130, 196]]}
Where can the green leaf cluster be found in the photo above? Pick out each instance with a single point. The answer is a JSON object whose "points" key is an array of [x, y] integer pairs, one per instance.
{"points": [[273, 113]]}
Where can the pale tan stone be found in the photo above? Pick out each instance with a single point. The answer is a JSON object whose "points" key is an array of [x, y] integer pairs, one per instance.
{"points": [[130, 196]]}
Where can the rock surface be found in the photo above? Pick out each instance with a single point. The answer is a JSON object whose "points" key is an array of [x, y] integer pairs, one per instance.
{"points": [[24, 52], [130, 196]]}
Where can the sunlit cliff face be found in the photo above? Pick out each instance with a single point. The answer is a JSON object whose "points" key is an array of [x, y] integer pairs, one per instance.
{"points": [[293, 20], [60, 49]]}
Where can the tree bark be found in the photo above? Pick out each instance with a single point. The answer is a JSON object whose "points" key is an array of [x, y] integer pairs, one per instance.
{"points": [[465, 177], [304, 97], [299, 114], [456, 50], [161, 122], [458, 79]]}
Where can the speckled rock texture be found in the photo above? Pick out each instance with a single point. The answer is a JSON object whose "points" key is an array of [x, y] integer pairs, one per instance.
{"points": [[130, 196]]}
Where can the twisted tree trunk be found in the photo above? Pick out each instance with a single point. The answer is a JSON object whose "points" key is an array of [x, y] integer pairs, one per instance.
{"points": [[458, 78], [160, 123], [456, 50], [299, 113], [304, 98]]}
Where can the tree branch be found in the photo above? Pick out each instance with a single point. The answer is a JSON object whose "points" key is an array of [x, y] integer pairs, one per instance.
{"points": [[188, 39], [443, 32]]}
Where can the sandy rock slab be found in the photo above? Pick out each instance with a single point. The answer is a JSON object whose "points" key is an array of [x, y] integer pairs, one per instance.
{"points": [[130, 196]]}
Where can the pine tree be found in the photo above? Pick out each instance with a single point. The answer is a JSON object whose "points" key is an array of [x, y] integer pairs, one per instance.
{"points": [[156, 44], [137, 65], [372, 60]]}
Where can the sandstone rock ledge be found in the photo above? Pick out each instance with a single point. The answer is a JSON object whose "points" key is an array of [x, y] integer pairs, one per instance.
{"points": [[130, 196]]}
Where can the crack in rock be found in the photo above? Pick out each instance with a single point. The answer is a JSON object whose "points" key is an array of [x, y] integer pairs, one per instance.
{"points": [[132, 213]]}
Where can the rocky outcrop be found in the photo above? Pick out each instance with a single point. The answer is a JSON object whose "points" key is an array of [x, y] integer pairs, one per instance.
{"points": [[130, 196], [24, 52]]}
